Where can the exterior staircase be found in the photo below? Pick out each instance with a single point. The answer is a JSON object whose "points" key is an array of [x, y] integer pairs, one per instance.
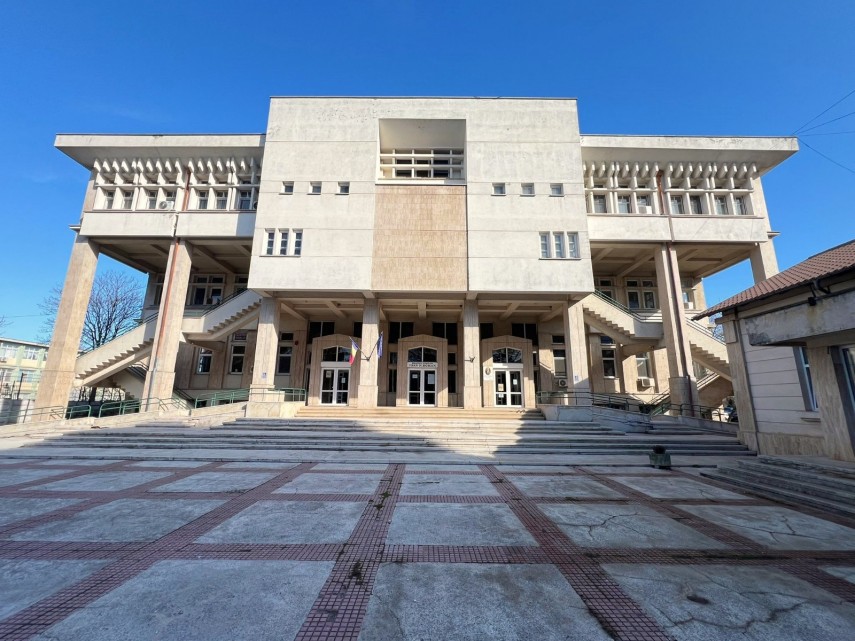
{"points": [[823, 486]]}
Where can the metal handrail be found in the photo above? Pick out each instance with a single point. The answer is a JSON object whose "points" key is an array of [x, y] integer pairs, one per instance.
{"points": [[125, 330], [56, 412], [586, 398], [709, 331], [203, 310], [221, 398], [131, 406]]}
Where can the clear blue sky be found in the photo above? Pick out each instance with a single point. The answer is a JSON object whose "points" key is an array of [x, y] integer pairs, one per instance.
{"points": [[666, 67]]}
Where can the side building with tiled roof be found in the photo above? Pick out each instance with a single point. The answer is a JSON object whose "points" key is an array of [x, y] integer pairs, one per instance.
{"points": [[791, 345]]}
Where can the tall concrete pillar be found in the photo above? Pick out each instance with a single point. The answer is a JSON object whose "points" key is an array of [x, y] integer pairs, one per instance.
{"points": [[471, 355], [576, 346], [681, 382], [160, 379], [764, 261], [368, 388], [58, 374], [266, 345]]}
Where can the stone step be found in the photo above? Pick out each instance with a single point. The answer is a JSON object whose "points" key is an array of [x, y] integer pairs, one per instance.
{"points": [[775, 492], [756, 474], [839, 471], [787, 473]]}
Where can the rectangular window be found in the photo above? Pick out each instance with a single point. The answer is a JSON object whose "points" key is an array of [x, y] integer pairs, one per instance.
{"points": [[245, 200], [559, 359], [528, 189], [624, 205], [558, 239], [544, 245], [498, 189], [393, 380], [204, 364], [806, 379], [485, 330], [400, 329], [298, 242], [344, 189], [556, 189], [202, 199], [452, 381], [315, 189], [448, 331], [288, 188], [222, 199], [236, 363], [283, 242], [127, 199], [320, 328], [151, 196], [599, 203], [31, 353], [739, 206], [271, 242], [357, 329], [721, 205], [608, 354], [283, 365], [109, 197], [677, 205], [642, 364], [695, 205], [643, 201], [572, 245], [525, 330]]}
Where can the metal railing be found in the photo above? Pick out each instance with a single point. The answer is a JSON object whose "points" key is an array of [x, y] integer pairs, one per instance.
{"points": [[202, 310], [571, 397], [225, 397], [706, 329], [701, 411], [127, 329]]}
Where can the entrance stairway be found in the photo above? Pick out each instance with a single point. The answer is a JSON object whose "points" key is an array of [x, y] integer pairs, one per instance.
{"points": [[822, 486]]}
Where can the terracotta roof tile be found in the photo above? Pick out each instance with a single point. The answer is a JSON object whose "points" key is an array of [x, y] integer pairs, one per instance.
{"points": [[831, 261]]}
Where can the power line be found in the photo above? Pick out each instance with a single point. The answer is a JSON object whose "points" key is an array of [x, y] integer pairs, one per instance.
{"points": [[852, 171], [824, 112], [828, 122], [831, 133]]}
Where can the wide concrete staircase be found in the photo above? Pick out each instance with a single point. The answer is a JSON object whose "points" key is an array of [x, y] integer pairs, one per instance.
{"points": [[434, 434], [822, 486]]}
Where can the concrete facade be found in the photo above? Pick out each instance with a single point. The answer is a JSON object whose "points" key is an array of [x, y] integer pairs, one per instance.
{"points": [[489, 234]]}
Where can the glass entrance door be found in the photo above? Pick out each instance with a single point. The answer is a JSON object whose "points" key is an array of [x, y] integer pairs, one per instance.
{"points": [[335, 385], [509, 388], [422, 387]]}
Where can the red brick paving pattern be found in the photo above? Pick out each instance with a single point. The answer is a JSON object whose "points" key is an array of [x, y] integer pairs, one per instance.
{"points": [[340, 607]]}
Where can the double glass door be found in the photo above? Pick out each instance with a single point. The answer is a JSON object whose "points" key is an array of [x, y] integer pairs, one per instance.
{"points": [[509, 388], [335, 385], [422, 387]]}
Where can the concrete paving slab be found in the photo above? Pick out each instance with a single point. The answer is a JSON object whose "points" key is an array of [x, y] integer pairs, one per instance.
{"points": [[121, 521], [721, 603], [170, 464], [332, 484], [17, 509], [555, 469], [365, 467], [25, 475], [24, 582], [201, 601], [80, 462], [624, 469], [439, 485], [845, 573], [423, 468], [102, 482], [456, 524], [777, 527], [624, 526], [676, 488], [266, 465], [289, 522], [568, 486], [217, 482], [476, 602]]}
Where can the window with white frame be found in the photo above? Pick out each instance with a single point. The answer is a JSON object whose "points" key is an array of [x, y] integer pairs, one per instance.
{"points": [[206, 289], [202, 198], [315, 188], [343, 189], [222, 199], [283, 363], [644, 206], [287, 188], [527, 189], [556, 189], [600, 204], [127, 199], [499, 189], [642, 365], [559, 361], [109, 198], [624, 204], [721, 205], [31, 353], [270, 241], [298, 242], [203, 365], [739, 206], [608, 349], [559, 244], [806, 379], [237, 358], [245, 200], [606, 287], [696, 205], [283, 242], [641, 294], [151, 199], [677, 204]]}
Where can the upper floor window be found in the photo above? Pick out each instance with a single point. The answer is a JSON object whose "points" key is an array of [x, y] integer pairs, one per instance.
{"points": [[320, 328], [206, 289], [421, 164], [527, 189], [559, 244], [695, 205], [315, 189], [721, 205], [201, 199], [447, 331], [525, 330], [151, 199], [245, 200], [400, 329], [624, 204], [739, 206], [127, 199], [499, 189], [677, 205], [222, 198], [31, 353], [288, 188], [599, 203], [203, 365], [556, 189], [289, 240], [109, 197], [343, 189]]}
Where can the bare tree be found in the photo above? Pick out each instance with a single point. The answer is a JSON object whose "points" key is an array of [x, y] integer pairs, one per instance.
{"points": [[114, 307], [4, 323]]}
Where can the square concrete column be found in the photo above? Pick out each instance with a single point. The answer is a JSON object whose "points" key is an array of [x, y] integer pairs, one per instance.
{"points": [[576, 346], [59, 372], [681, 382], [368, 388], [160, 380], [471, 355], [266, 345], [764, 261]]}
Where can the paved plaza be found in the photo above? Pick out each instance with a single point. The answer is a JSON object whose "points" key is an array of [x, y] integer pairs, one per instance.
{"points": [[111, 550]]}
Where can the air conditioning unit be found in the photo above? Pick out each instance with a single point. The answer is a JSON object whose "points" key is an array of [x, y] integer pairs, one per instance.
{"points": [[645, 209], [166, 204], [644, 381], [561, 382]]}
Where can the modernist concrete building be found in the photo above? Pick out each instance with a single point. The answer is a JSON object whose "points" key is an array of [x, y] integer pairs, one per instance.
{"points": [[21, 364], [498, 252], [791, 341]]}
